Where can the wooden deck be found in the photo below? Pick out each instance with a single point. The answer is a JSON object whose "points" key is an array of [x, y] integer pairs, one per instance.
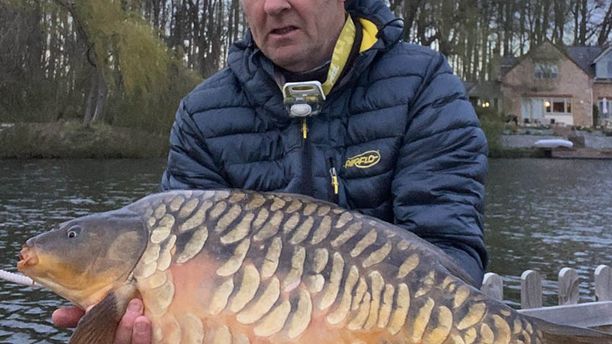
{"points": [[596, 314], [579, 153]]}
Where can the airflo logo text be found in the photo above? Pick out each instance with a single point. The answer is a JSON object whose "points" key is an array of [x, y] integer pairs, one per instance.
{"points": [[363, 160]]}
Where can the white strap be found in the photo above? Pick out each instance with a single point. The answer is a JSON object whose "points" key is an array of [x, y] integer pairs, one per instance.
{"points": [[17, 278]]}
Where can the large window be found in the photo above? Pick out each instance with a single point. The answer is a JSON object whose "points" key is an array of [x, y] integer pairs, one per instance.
{"points": [[558, 106], [545, 71], [547, 110]]}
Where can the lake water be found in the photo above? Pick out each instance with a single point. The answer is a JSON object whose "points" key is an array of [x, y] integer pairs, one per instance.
{"points": [[541, 214]]}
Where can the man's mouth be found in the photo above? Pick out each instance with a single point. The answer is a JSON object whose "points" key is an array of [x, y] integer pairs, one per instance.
{"points": [[283, 30]]}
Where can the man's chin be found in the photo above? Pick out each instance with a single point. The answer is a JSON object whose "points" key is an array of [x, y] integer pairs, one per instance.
{"points": [[291, 60]]}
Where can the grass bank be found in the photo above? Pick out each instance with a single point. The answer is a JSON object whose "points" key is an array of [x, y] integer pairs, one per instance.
{"points": [[71, 140]]}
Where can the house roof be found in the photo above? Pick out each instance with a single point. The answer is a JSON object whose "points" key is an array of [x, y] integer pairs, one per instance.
{"points": [[507, 62], [603, 53], [584, 57]]}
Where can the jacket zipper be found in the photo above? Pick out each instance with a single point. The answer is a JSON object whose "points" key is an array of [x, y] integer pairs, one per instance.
{"points": [[335, 183], [306, 156], [304, 128]]}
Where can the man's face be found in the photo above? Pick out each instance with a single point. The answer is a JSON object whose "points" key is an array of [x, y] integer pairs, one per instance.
{"points": [[297, 35]]}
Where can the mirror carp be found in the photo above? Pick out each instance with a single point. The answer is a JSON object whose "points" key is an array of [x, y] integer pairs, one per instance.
{"points": [[247, 267]]}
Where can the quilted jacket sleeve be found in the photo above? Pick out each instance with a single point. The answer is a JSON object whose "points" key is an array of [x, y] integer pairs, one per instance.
{"points": [[190, 165], [438, 185]]}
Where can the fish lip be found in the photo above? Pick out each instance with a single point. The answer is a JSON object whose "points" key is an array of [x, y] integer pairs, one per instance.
{"points": [[27, 258]]}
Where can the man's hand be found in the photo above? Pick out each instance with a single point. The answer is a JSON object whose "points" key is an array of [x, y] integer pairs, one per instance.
{"points": [[134, 327]]}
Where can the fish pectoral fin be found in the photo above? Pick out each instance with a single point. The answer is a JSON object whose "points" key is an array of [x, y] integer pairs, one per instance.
{"points": [[98, 325]]}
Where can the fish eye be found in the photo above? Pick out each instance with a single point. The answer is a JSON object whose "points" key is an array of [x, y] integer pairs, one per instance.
{"points": [[73, 232]]}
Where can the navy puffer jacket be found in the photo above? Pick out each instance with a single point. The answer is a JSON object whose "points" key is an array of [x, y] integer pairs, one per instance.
{"points": [[397, 128]]}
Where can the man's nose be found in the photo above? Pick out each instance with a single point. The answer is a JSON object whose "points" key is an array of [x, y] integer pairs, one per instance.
{"points": [[275, 7]]}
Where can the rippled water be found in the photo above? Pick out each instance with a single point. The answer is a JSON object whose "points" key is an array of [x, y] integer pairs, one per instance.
{"points": [[541, 214], [546, 214], [38, 194]]}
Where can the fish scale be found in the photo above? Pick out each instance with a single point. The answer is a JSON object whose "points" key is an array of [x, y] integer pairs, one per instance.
{"points": [[240, 267], [362, 248]]}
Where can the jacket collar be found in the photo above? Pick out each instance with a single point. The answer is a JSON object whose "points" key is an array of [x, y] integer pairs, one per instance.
{"points": [[389, 27]]}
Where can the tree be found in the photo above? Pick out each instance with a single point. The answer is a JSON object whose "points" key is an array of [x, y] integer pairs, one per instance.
{"points": [[606, 27], [118, 60], [123, 51]]}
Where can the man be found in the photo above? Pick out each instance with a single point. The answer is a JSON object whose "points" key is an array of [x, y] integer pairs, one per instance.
{"points": [[395, 137]]}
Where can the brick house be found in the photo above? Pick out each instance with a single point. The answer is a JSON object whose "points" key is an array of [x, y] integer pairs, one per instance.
{"points": [[602, 86], [550, 84], [565, 85]]}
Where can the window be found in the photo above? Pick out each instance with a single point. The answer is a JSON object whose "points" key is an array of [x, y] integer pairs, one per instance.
{"points": [[558, 105], [547, 110], [486, 103], [605, 107], [603, 68], [545, 71]]}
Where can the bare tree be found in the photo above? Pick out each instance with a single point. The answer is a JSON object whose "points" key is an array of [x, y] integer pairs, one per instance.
{"points": [[606, 27], [88, 58]]}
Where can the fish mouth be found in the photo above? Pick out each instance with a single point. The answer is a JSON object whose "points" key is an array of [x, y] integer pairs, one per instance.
{"points": [[27, 258]]}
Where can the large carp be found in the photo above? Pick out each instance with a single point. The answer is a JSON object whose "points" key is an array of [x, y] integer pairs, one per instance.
{"points": [[240, 267]]}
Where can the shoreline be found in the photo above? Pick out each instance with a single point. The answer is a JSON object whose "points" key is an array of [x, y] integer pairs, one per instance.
{"points": [[71, 140]]}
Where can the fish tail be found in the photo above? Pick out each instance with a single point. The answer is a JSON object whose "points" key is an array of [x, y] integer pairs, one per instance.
{"points": [[565, 334]]}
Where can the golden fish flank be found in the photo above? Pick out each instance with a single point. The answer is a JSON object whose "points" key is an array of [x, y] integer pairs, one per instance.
{"points": [[228, 218], [386, 307], [362, 314], [344, 308], [302, 316], [234, 263], [272, 257], [256, 310], [377, 284], [322, 231], [195, 219], [270, 228], [194, 245], [244, 267], [293, 278], [187, 208], [246, 289], [176, 203], [193, 330], [220, 297], [362, 287]]}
